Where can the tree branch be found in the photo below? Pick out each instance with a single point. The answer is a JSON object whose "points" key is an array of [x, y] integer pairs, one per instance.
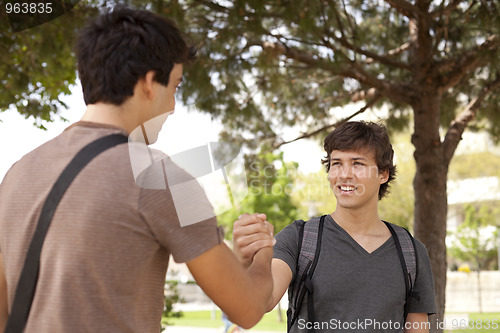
{"points": [[396, 92], [353, 70], [319, 130], [291, 52], [458, 125], [213, 5], [404, 7], [343, 41], [446, 11], [453, 70], [371, 55], [364, 94], [392, 52]]}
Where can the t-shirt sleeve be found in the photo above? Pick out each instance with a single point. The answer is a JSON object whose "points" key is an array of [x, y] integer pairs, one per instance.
{"points": [[424, 298], [286, 247], [165, 211]]}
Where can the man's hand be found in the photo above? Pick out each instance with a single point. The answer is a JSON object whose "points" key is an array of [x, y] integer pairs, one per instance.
{"points": [[251, 233]]}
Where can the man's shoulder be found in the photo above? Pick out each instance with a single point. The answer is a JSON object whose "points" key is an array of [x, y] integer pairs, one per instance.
{"points": [[293, 227], [52, 156]]}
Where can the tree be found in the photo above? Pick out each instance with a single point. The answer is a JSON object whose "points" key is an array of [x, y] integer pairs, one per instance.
{"points": [[429, 66]]}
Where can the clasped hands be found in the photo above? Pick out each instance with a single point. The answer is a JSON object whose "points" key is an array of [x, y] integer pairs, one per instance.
{"points": [[251, 233]]}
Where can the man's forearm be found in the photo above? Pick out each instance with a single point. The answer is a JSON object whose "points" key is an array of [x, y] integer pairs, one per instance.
{"points": [[259, 285], [242, 293], [417, 323], [260, 272]]}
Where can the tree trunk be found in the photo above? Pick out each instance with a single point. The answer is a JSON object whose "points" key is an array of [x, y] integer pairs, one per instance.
{"points": [[430, 194]]}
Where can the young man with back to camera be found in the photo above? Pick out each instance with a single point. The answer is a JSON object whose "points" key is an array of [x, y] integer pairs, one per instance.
{"points": [[105, 255], [358, 283]]}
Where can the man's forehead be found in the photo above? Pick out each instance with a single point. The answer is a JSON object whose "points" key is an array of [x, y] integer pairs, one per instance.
{"points": [[363, 153]]}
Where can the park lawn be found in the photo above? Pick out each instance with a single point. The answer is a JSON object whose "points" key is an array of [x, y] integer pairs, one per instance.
{"points": [[204, 319]]}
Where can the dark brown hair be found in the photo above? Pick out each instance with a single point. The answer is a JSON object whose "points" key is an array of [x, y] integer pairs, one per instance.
{"points": [[357, 135], [120, 47]]}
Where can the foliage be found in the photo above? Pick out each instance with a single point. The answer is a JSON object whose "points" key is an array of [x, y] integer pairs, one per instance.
{"points": [[398, 206], [270, 184], [171, 297], [313, 195], [473, 243], [475, 165], [37, 65]]}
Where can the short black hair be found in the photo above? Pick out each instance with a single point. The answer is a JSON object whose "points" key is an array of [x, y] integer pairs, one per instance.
{"points": [[119, 47], [356, 135]]}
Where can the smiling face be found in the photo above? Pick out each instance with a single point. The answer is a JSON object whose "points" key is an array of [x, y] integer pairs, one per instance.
{"points": [[355, 178]]}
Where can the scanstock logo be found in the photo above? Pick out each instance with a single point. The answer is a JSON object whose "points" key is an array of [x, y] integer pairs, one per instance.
{"points": [[204, 180]]}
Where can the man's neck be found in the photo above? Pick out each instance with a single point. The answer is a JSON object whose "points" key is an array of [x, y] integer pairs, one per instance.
{"points": [[109, 114], [358, 222]]}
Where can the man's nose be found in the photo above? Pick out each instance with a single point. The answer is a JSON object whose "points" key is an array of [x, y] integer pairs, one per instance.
{"points": [[346, 171]]}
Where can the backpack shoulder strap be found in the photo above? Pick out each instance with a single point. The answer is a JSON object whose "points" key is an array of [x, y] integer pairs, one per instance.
{"points": [[26, 286], [309, 247], [405, 245]]}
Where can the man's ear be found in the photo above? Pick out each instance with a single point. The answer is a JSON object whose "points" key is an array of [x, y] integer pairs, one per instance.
{"points": [[384, 176], [146, 85]]}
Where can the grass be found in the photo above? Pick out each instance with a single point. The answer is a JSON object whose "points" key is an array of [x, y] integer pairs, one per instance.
{"points": [[207, 319], [476, 322]]}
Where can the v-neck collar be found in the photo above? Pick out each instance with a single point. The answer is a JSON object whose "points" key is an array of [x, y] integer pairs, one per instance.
{"points": [[356, 244]]}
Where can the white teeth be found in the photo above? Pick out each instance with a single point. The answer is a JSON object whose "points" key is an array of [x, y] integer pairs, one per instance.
{"points": [[347, 188]]}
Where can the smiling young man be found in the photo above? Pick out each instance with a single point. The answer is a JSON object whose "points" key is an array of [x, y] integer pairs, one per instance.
{"points": [[104, 260], [358, 283]]}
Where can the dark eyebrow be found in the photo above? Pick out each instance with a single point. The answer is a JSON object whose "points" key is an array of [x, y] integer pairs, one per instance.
{"points": [[352, 159]]}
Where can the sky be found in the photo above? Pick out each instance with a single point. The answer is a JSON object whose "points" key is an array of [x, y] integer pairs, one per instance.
{"points": [[18, 135]]}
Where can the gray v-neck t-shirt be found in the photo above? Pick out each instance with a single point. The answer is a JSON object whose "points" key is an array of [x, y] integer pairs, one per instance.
{"points": [[357, 291]]}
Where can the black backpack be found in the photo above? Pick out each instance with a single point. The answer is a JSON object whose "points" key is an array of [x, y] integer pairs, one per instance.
{"points": [[310, 233]]}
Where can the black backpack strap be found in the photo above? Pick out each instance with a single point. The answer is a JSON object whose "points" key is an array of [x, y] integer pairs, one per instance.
{"points": [[405, 245], [310, 233], [26, 285], [291, 312]]}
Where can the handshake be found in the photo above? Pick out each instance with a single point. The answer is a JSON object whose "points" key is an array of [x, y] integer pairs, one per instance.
{"points": [[252, 233]]}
